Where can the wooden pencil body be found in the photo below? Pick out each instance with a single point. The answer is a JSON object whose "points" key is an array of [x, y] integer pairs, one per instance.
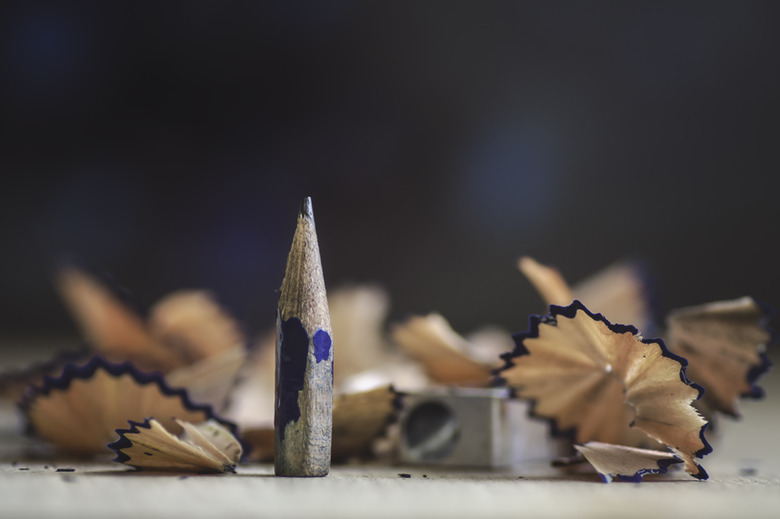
{"points": [[304, 361]]}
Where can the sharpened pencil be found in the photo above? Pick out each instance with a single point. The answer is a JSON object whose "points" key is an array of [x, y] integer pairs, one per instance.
{"points": [[304, 360]]}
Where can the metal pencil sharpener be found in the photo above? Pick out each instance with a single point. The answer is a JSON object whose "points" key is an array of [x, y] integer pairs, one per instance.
{"points": [[466, 427]]}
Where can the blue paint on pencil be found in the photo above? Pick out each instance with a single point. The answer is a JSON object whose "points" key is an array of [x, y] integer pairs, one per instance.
{"points": [[293, 353], [322, 343]]}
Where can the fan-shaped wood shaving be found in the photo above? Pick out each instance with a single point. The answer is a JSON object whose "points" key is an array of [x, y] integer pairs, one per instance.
{"points": [[201, 448], [184, 327], [725, 343], [442, 352], [194, 326], [618, 292], [602, 382], [357, 316], [188, 335], [628, 463], [359, 418], [547, 280], [79, 410], [111, 327]]}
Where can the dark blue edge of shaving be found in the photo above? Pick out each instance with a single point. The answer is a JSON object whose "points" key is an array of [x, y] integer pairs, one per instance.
{"points": [[123, 442], [570, 312], [397, 404], [72, 372], [37, 370], [756, 371], [663, 467]]}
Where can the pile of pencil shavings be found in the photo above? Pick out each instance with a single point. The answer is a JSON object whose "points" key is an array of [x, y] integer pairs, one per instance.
{"points": [[630, 406], [627, 402], [172, 371], [83, 409], [178, 390], [181, 388]]}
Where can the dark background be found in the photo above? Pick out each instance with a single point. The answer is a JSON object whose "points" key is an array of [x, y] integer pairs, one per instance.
{"points": [[171, 145]]}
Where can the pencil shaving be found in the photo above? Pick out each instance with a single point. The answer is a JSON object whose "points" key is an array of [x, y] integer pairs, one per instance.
{"points": [[357, 315], [444, 354], [548, 281], [186, 333], [14, 383], [725, 343], [79, 410], [359, 419], [602, 382], [110, 326], [194, 325], [619, 292], [625, 463], [200, 448], [210, 380]]}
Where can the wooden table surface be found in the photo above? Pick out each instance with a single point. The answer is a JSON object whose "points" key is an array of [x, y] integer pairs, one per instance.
{"points": [[744, 482]]}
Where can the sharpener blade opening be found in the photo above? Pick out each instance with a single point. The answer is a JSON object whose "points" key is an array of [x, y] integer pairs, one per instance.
{"points": [[430, 431]]}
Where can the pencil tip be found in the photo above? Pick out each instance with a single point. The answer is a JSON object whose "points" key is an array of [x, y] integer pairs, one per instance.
{"points": [[306, 210]]}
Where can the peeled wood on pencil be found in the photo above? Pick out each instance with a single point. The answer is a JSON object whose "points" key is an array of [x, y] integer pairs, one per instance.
{"points": [[304, 360]]}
